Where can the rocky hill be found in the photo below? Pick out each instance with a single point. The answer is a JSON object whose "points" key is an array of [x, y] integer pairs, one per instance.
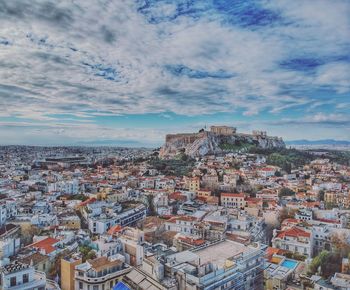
{"points": [[207, 142]]}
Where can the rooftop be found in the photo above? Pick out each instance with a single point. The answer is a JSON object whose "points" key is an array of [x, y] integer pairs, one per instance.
{"points": [[46, 244], [220, 252], [13, 267], [101, 263]]}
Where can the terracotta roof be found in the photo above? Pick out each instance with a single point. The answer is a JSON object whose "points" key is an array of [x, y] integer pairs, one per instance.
{"points": [[290, 221], [115, 229], [253, 200], [46, 245], [226, 194], [192, 241], [86, 202], [328, 221], [267, 169], [293, 232]]}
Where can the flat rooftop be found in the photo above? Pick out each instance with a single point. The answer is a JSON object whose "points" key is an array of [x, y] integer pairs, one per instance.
{"points": [[220, 252]]}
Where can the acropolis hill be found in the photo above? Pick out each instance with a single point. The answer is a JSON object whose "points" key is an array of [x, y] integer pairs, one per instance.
{"points": [[218, 140]]}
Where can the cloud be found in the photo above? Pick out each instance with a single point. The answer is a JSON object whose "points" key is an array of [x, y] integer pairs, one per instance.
{"points": [[317, 119], [87, 58]]}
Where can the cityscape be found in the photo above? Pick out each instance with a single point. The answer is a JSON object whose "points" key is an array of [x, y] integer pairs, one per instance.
{"points": [[174, 145]]}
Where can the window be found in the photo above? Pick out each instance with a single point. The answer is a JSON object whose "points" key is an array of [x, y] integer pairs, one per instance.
{"points": [[13, 281], [25, 278], [95, 287], [80, 285]]}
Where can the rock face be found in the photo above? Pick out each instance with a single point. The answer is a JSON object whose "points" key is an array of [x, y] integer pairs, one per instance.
{"points": [[206, 142]]}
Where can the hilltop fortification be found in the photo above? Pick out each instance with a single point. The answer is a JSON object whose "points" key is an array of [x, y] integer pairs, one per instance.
{"points": [[218, 140]]}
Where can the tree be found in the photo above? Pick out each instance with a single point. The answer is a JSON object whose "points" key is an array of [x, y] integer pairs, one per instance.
{"points": [[286, 213], [321, 195], [87, 253], [328, 264], [341, 244], [318, 261], [278, 174], [285, 191], [151, 208]]}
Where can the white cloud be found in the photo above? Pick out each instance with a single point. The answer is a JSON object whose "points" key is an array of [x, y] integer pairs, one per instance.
{"points": [[90, 59]]}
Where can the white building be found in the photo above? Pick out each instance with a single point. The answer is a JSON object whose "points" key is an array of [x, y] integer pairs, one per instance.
{"points": [[294, 240], [181, 224], [3, 213], [101, 273], [100, 223], [19, 276], [9, 247]]}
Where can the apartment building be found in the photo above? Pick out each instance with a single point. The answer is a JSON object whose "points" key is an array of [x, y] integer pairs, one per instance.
{"points": [[294, 240], [19, 276], [232, 200], [101, 273]]}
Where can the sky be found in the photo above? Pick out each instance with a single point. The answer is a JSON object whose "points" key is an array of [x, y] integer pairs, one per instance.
{"points": [[75, 72]]}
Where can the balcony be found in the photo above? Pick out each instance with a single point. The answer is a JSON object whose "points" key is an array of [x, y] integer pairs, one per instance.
{"points": [[103, 278]]}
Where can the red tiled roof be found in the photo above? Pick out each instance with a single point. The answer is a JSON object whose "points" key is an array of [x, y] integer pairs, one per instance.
{"points": [[293, 232], [253, 200], [177, 196], [270, 251], [267, 169], [46, 245], [90, 200], [115, 229], [191, 241], [328, 221], [226, 194]]}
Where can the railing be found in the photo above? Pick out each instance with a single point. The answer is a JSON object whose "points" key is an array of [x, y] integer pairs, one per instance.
{"points": [[52, 285], [105, 277]]}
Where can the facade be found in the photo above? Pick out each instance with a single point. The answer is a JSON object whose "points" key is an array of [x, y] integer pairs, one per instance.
{"points": [[101, 273], [203, 193], [68, 272], [132, 240], [232, 200], [304, 215], [223, 130], [294, 240], [193, 184], [3, 213], [101, 223], [223, 265], [40, 262], [9, 247], [19, 276], [181, 224]]}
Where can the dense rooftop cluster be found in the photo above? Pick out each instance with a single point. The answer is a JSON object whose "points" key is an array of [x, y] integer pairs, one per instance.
{"points": [[117, 218]]}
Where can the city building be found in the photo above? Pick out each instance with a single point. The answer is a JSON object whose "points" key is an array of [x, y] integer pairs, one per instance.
{"points": [[102, 273]]}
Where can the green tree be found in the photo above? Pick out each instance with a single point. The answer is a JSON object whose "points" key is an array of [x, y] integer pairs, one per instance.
{"points": [[87, 253], [321, 195], [285, 191], [319, 260], [151, 208]]}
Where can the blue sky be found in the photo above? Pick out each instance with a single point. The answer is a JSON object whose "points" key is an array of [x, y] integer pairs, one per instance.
{"points": [[77, 72]]}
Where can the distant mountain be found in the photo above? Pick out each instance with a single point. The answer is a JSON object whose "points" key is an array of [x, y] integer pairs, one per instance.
{"points": [[319, 142]]}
